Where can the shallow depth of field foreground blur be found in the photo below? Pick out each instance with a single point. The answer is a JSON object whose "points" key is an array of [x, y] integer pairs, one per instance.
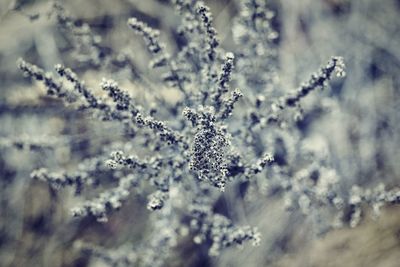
{"points": [[356, 120]]}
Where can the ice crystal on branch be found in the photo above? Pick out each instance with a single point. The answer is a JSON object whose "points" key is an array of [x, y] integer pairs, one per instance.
{"points": [[208, 155], [317, 80]]}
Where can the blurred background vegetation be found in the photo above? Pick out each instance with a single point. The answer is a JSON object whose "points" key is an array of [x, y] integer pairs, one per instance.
{"points": [[35, 224]]}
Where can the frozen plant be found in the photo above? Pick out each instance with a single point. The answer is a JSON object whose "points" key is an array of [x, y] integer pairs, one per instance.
{"points": [[213, 141]]}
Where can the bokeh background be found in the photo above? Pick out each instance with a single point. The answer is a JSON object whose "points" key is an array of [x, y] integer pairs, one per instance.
{"points": [[361, 131]]}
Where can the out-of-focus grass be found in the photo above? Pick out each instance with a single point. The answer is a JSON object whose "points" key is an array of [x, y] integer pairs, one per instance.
{"points": [[374, 243]]}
